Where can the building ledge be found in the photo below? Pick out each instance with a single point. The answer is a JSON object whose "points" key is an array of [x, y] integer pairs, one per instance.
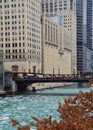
{"points": [[61, 52], [68, 49], [52, 44]]}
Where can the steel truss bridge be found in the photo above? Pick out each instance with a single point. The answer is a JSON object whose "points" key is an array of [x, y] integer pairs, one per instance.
{"points": [[23, 79]]}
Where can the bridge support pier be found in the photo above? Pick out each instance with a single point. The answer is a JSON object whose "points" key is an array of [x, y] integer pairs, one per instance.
{"points": [[33, 89], [14, 86]]}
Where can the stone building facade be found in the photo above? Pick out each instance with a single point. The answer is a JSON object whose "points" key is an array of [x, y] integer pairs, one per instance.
{"points": [[56, 59], [20, 34], [66, 9]]}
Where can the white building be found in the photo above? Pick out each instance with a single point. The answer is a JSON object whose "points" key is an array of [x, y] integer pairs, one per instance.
{"points": [[1, 71], [20, 34], [65, 9], [56, 58], [56, 7]]}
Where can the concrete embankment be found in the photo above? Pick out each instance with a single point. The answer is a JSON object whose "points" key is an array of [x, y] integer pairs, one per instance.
{"points": [[2, 93], [40, 86]]}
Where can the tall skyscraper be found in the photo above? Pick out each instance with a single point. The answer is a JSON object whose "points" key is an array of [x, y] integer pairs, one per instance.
{"points": [[20, 34], [55, 7], [88, 35], [89, 43], [80, 45]]}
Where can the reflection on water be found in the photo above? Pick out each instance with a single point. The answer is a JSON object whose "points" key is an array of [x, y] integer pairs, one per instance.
{"points": [[22, 107], [68, 89]]}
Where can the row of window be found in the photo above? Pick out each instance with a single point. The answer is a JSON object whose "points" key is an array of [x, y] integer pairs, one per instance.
{"points": [[13, 28], [8, 45], [54, 10], [12, 22], [5, 1], [16, 57], [12, 11], [56, 4], [13, 38], [15, 51], [12, 5], [21, 51], [12, 45], [12, 33], [13, 17], [33, 35]]}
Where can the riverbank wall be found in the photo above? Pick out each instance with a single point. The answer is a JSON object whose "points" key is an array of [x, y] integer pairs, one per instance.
{"points": [[40, 86], [2, 93]]}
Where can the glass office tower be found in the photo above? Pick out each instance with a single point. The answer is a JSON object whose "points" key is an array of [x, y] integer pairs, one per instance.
{"points": [[89, 43], [80, 46]]}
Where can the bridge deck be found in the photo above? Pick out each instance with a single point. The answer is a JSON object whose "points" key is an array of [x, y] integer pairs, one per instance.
{"points": [[38, 80], [26, 79]]}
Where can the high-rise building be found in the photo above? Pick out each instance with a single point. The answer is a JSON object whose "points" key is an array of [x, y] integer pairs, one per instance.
{"points": [[89, 23], [88, 60], [1, 71], [72, 14], [65, 9], [20, 34], [88, 35], [55, 7], [80, 44], [85, 53]]}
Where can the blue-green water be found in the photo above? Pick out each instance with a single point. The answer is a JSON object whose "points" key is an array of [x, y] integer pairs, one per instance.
{"points": [[68, 89], [22, 107]]}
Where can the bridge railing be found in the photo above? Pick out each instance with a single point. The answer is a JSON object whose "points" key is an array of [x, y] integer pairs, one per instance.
{"points": [[24, 75]]}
